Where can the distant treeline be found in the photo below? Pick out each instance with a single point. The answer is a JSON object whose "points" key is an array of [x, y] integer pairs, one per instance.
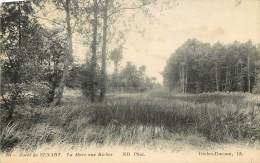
{"points": [[200, 67], [132, 78], [129, 78]]}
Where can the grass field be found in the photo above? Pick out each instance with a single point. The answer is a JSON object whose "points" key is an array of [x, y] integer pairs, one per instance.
{"points": [[156, 119]]}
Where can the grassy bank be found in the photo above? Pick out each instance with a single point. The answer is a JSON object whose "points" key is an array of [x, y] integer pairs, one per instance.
{"points": [[154, 119]]}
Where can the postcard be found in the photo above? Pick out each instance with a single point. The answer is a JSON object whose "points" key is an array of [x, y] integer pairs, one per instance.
{"points": [[119, 81]]}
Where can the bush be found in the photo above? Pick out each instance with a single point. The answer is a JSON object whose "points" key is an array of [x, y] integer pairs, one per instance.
{"points": [[8, 140], [36, 93]]}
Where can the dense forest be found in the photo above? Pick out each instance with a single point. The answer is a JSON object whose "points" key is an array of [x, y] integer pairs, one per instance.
{"points": [[197, 67]]}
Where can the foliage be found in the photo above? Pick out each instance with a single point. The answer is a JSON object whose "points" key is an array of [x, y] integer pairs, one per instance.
{"points": [[116, 56], [33, 61], [79, 78], [132, 78], [30, 58], [199, 67]]}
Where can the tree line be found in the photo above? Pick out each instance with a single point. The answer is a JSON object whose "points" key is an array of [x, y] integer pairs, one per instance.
{"points": [[129, 78], [201, 67]]}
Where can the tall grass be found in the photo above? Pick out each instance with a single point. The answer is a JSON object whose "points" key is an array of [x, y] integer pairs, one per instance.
{"points": [[226, 118], [146, 119]]}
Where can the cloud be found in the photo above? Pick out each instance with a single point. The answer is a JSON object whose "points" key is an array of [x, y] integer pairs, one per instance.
{"points": [[206, 31]]}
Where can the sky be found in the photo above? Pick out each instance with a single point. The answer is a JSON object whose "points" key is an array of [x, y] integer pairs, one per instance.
{"points": [[207, 20], [150, 40], [1, 1]]}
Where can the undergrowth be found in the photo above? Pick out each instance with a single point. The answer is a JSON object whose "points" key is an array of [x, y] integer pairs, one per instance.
{"points": [[149, 119]]}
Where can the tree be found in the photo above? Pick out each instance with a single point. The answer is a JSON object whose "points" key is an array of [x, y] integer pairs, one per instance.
{"points": [[198, 67], [15, 22], [216, 50], [60, 88], [93, 82], [109, 8], [133, 78], [55, 52], [27, 50], [116, 56], [256, 88], [104, 53]]}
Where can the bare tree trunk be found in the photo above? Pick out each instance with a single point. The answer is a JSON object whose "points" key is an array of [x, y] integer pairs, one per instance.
{"points": [[241, 78], [94, 54], [180, 77], [237, 76], [59, 91], [183, 79], [104, 54], [248, 74], [116, 68], [53, 80], [186, 79], [216, 76], [116, 74], [226, 82]]}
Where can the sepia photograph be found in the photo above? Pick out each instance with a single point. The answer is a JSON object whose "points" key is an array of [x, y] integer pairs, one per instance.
{"points": [[129, 81]]}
